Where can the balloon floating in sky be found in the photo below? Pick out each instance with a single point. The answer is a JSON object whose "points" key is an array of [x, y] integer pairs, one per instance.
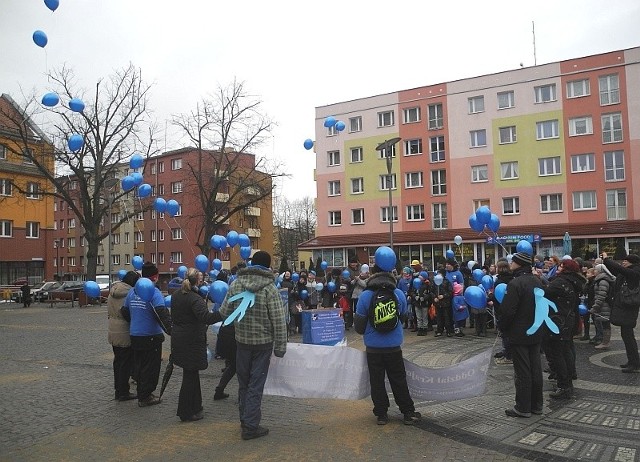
{"points": [[137, 262], [144, 190], [245, 252], [202, 263], [127, 183], [75, 142], [232, 238], [137, 178], [52, 4], [243, 240], [172, 207], [50, 99], [160, 205], [329, 122], [340, 125], [40, 38], [136, 161], [308, 144], [76, 105], [457, 240], [483, 214]]}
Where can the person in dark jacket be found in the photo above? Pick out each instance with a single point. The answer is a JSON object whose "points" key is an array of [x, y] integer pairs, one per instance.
{"points": [[190, 317], [504, 276], [442, 295], [564, 290], [26, 295], [517, 314], [626, 273], [227, 349], [603, 285]]}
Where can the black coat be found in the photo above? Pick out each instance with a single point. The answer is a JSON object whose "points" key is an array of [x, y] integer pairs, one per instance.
{"points": [[517, 310], [621, 316], [564, 291], [189, 334]]}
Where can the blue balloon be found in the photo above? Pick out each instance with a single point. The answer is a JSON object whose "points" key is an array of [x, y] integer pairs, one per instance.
{"points": [[295, 277], [331, 286], [245, 252], [385, 258], [40, 38], [75, 142], [145, 288], [215, 241], [308, 144], [340, 125], [324, 265], [424, 274], [417, 283], [449, 254], [167, 301], [172, 207], [438, 279], [127, 183], [50, 99], [232, 238], [499, 291], [223, 243], [483, 214], [582, 309], [144, 190], [182, 271], [475, 297], [92, 289], [525, 247], [494, 223], [202, 263], [346, 274], [159, 204], [218, 291], [477, 275], [304, 294], [243, 240], [319, 286], [217, 264], [475, 224], [52, 4], [487, 282], [329, 122], [204, 291], [137, 178], [137, 262], [121, 274], [136, 161], [76, 105]]}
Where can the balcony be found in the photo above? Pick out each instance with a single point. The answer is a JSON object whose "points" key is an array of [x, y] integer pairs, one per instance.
{"points": [[253, 232], [252, 211]]}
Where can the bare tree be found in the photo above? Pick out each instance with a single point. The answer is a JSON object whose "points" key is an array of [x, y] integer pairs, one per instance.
{"points": [[114, 121], [295, 222], [226, 130]]}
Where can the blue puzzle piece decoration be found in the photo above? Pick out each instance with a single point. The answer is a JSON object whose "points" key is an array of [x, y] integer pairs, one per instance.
{"points": [[542, 313], [248, 300]]}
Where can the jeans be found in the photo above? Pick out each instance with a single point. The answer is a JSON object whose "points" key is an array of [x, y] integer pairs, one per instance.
{"points": [[393, 365], [527, 370], [252, 367], [630, 345], [422, 317]]}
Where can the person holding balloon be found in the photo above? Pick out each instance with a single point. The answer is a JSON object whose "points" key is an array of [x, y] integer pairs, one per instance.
{"points": [[503, 277], [442, 294]]}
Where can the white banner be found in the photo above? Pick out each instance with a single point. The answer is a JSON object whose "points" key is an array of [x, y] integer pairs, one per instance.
{"points": [[317, 371]]}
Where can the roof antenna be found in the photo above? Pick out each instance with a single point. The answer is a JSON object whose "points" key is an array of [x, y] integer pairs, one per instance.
{"points": [[533, 30]]}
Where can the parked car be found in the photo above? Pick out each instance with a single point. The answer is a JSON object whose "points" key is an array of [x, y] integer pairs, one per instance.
{"points": [[41, 294], [68, 286], [103, 281]]}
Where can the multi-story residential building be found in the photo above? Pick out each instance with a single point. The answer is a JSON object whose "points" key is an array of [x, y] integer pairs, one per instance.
{"points": [[551, 149], [26, 214]]}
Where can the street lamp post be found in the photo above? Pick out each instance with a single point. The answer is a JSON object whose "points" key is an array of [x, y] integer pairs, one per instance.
{"points": [[386, 147]]}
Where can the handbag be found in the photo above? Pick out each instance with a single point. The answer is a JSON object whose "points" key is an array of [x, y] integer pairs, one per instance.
{"points": [[628, 298]]}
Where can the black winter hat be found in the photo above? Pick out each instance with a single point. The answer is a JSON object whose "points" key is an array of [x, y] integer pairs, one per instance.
{"points": [[633, 259], [149, 269], [522, 259], [261, 258], [131, 278]]}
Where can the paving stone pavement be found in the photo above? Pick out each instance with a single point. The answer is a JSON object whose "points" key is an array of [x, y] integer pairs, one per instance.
{"points": [[56, 388]]}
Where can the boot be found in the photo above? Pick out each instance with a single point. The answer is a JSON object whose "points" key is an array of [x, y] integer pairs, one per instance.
{"points": [[220, 394], [606, 338], [422, 332]]}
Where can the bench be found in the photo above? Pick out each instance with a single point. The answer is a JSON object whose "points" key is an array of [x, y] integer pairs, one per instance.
{"points": [[61, 296]]}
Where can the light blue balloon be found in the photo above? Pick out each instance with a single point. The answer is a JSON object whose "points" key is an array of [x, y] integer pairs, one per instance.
{"points": [[304, 294], [137, 262], [92, 289], [319, 286], [438, 279], [340, 125], [145, 288], [499, 291], [477, 275], [167, 301], [217, 264], [324, 265], [329, 122], [50, 99], [308, 144], [417, 283], [346, 274], [76, 105], [449, 254], [487, 282], [582, 309]]}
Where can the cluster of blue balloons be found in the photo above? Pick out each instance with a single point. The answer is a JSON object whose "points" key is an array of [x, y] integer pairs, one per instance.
{"points": [[483, 217], [232, 239], [332, 122]]}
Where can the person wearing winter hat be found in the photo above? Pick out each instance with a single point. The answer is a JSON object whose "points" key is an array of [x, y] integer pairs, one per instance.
{"points": [[627, 274], [404, 284], [517, 315], [603, 285]]}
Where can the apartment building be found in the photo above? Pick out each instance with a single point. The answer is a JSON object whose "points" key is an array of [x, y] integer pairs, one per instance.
{"points": [[551, 149]]}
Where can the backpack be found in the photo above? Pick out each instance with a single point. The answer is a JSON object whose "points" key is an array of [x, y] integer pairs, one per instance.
{"points": [[384, 309]]}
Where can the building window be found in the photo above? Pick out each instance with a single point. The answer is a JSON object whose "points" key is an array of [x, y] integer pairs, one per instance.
{"points": [[71, 261], [616, 204], [332, 131], [334, 188], [160, 190], [439, 220], [550, 203], [176, 257], [176, 234], [161, 234], [161, 167], [3, 152], [386, 119], [611, 128], [510, 205], [138, 236], [6, 228], [506, 100], [33, 229], [27, 156], [415, 212], [6, 187], [411, 115], [547, 129], [139, 216], [356, 155], [355, 124], [33, 190], [335, 218], [478, 138], [115, 238], [479, 173], [153, 169], [115, 259], [549, 166], [439, 182], [609, 89], [614, 166], [115, 217], [584, 200], [357, 216], [436, 118], [176, 187], [413, 180], [357, 185], [73, 185], [161, 258], [436, 149], [578, 88], [387, 181], [382, 154], [507, 134], [477, 203], [71, 223], [545, 93], [384, 214], [71, 242], [509, 170], [176, 164], [413, 147], [580, 126], [153, 235], [583, 163], [476, 104], [333, 158], [127, 238]]}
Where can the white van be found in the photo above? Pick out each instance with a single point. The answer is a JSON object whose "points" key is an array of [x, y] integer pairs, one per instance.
{"points": [[103, 281]]}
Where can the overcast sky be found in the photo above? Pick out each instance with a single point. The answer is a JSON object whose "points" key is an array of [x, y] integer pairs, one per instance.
{"points": [[296, 55]]}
